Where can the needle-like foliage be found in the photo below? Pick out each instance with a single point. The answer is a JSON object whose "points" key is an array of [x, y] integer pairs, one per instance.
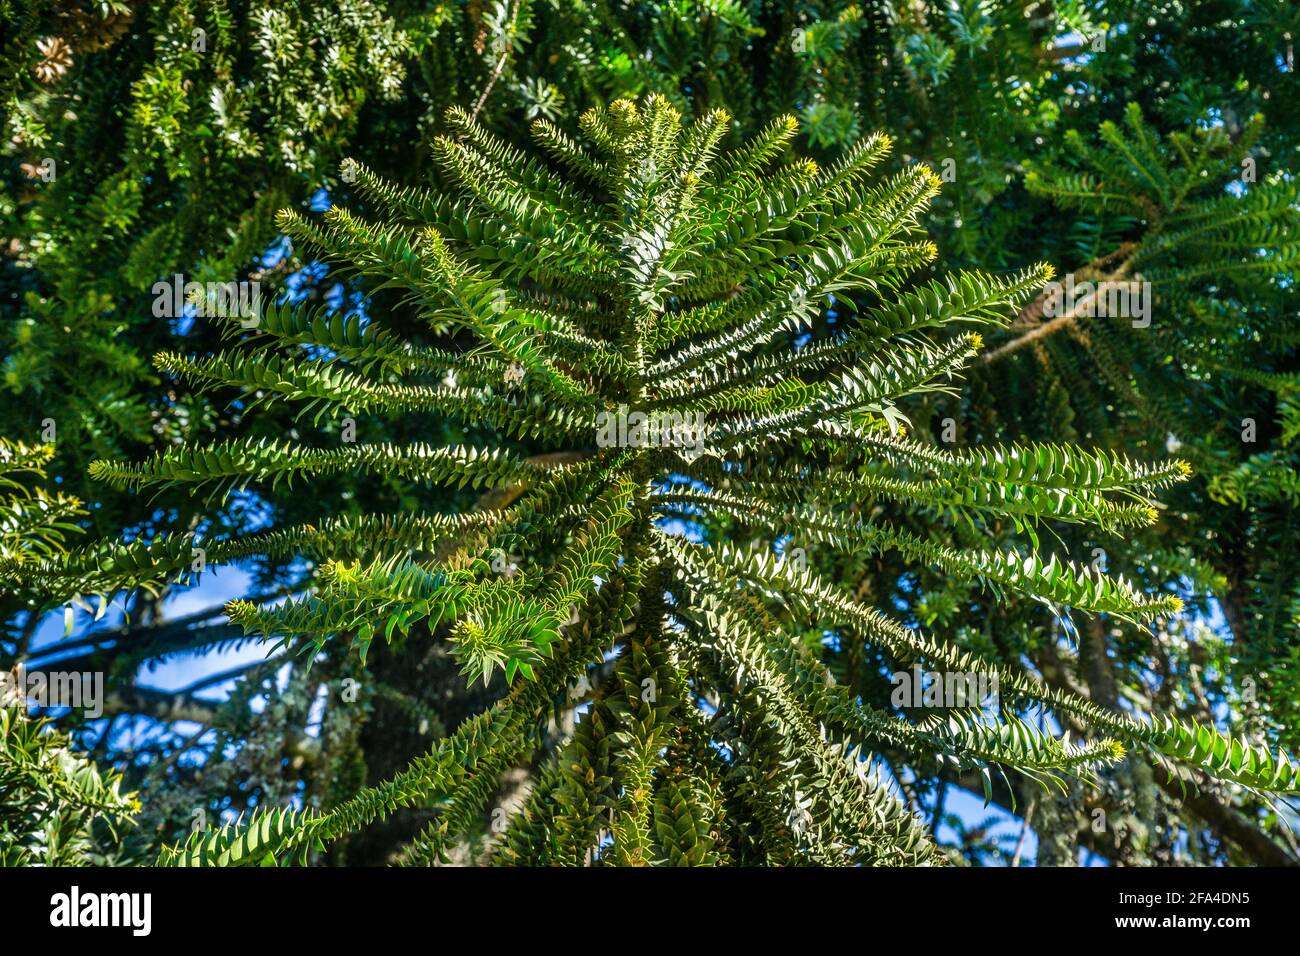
{"points": [[637, 309]]}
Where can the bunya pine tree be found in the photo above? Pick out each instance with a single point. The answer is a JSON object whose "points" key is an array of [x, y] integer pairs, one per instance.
{"points": [[633, 307]]}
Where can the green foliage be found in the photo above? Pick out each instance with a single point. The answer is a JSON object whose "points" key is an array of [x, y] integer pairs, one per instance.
{"points": [[690, 273], [1212, 229], [174, 135], [174, 159], [56, 807]]}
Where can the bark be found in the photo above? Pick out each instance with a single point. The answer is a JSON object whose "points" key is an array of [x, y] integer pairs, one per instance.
{"points": [[1232, 825]]}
